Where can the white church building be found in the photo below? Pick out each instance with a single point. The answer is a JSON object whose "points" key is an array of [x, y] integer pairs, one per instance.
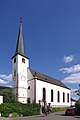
{"points": [[31, 86]]}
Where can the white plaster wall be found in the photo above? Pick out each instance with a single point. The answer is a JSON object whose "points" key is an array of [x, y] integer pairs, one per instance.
{"points": [[21, 69], [31, 84], [41, 84], [31, 91], [22, 100], [22, 93], [22, 83], [30, 76], [1, 99]]}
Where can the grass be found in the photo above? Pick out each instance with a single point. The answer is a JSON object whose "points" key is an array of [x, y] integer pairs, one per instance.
{"points": [[57, 109]]}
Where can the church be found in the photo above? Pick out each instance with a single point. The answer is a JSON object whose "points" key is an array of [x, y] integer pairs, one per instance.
{"points": [[32, 86]]}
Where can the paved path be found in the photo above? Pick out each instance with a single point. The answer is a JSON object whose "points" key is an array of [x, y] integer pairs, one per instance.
{"points": [[52, 116]]}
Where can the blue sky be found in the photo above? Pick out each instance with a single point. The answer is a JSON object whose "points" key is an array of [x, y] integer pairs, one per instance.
{"points": [[51, 32]]}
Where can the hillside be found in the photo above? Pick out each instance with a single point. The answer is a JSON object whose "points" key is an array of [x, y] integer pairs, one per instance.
{"points": [[4, 87]]}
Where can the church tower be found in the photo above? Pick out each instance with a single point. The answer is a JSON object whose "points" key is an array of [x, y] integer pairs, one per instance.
{"points": [[20, 63]]}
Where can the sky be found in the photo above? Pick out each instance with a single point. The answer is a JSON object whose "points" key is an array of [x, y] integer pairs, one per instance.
{"points": [[51, 32]]}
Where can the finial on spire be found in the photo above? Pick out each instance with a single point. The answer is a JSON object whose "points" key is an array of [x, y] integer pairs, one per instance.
{"points": [[21, 19]]}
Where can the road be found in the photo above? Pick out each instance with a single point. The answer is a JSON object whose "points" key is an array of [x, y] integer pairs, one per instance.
{"points": [[52, 116]]}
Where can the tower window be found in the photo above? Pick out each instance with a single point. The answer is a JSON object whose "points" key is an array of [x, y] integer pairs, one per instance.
{"points": [[14, 60], [23, 60]]}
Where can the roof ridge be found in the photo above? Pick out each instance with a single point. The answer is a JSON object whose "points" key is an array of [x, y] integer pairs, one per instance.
{"points": [[47, 78]]}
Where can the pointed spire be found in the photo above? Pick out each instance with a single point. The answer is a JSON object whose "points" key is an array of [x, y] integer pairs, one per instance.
{"points": [[20, 44]]}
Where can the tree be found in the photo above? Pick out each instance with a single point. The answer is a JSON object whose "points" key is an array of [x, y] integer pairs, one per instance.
{"points": [[78, 92], [77, 103], [8, 96]]}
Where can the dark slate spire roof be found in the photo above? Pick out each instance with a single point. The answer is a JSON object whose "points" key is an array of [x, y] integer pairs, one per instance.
{"points": [[20, 43]]}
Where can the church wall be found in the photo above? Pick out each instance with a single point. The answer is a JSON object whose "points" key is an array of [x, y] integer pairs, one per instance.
{"points": [[20, 70], [39, 94], [19, 73], [31, 90], [1, 99], [22, 67], [31, 84], [30, 76]]}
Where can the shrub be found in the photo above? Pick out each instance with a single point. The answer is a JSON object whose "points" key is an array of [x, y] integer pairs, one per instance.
{"points": [[15, 114], [5, 114], [20, 109]]}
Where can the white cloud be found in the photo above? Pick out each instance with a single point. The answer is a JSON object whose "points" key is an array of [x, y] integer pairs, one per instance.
{"points": [[74, 74], [72, 79], [68, 59], [9, 86], [3, 81], [73, 94], [73, 69], [73, 91], [6, 77]]}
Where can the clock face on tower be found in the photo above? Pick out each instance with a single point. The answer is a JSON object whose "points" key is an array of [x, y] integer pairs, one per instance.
{"points": [[23, 78]]}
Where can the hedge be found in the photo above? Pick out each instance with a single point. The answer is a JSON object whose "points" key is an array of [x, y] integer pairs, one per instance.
{"points": [[20, 109]]}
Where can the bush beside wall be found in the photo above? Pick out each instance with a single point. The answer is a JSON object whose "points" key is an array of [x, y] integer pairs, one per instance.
{"points": [[19, 109]]}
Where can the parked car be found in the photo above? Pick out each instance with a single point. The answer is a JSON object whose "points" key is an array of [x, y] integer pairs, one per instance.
{"points": [[73, 111], [70, 111], [77, 111]]}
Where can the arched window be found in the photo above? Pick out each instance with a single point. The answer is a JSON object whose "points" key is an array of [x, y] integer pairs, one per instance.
{"points": [[23, 60], [28, 100], [44, 94], [51, 95], [68, 97], [58, 96], [28, 87], [63, 97]]}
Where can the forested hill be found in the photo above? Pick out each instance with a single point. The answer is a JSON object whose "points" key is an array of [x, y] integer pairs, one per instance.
{"points": [[4, 87]]}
